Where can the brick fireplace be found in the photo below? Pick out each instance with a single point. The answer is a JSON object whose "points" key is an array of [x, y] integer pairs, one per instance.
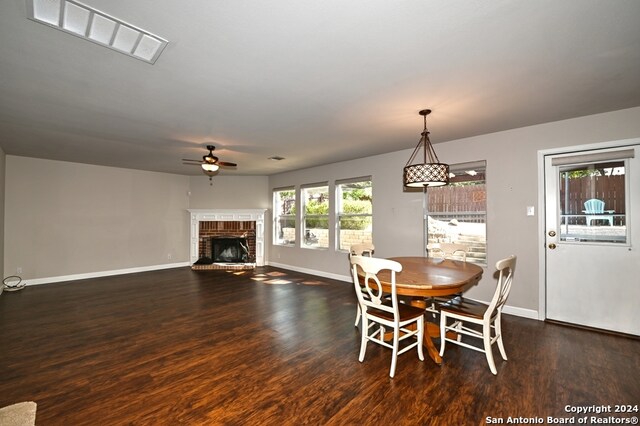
{"points": [[244, 225]]}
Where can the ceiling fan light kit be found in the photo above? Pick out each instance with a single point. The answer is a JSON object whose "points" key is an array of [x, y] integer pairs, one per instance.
{"points": [[431, 172], [209, 163], [210, 167]]}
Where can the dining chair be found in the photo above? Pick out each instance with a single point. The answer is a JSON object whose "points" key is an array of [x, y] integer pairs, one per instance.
{"points": [[448, 250], [463, 311], [364, 249], [379, 311]]}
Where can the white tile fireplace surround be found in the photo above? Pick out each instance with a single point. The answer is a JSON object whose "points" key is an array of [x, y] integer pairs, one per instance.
{"points": [[226, 215]]}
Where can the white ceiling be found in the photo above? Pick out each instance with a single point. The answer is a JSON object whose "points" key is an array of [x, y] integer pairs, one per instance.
{"points": [[312, 81]]}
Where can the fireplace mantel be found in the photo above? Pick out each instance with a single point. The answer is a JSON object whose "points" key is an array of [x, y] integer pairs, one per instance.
{"points": [[226, 215]]}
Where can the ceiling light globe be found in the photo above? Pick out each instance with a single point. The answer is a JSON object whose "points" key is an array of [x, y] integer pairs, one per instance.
{"points": [[210, 167]]}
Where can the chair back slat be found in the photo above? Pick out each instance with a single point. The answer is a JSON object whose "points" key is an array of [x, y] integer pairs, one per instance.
{"points": [[503, 288], [370, 284], [374, 289]]}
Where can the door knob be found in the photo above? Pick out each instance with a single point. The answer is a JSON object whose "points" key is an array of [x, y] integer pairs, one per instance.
{"points": [[552, 233], [552, 246]]}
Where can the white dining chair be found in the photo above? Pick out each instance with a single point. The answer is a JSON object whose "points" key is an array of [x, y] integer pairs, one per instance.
{"points": [[455, 251], [379, 311], [364, 249], [463, 311], [448, 250]]}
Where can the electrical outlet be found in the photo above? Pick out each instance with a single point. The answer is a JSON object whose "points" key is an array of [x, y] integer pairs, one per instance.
{"points": [[169, 256], [19, 270]]}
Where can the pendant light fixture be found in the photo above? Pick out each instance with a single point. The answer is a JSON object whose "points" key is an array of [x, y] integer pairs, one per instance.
{"points": [[431, 172]]}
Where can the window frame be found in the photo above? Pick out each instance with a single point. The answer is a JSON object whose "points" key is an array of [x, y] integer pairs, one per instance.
{"points": [[276, 240], [339, 204], [304, 216], [481, 214]]}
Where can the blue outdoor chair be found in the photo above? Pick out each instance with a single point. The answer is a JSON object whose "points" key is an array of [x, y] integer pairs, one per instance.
{"points": [[594, 209]]}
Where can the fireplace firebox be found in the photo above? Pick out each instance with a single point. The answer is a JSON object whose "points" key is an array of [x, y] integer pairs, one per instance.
{"points": [[229, 249]]}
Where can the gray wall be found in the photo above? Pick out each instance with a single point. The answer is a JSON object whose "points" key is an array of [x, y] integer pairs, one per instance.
{"points": [[512, 184], [3, 160], [67, 218], [228, 192]]}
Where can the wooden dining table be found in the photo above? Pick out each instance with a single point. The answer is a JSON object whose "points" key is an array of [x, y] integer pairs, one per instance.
{"points": [[422, 278]]}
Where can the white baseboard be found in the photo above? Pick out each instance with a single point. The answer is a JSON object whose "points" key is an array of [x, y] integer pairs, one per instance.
{"points": [[74, 277], [521, 312], [338, 277], [511, 310]]}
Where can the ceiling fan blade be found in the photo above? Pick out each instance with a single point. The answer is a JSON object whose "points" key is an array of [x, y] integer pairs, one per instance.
{"points": [[197, 161], [192, 164], [226, 164]]}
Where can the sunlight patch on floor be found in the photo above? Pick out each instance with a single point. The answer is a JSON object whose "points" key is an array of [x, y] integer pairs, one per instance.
{"points": [[277, 282], [313, 282]]}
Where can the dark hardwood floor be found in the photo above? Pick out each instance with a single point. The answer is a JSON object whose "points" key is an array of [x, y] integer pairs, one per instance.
{"points": [[276, 347]]}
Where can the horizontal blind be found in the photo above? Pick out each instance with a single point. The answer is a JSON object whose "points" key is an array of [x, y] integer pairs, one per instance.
{"points": [[593, 157]]}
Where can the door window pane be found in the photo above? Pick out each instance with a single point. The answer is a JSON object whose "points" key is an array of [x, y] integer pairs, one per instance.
{"points": [[315, 222], [592, 203]]}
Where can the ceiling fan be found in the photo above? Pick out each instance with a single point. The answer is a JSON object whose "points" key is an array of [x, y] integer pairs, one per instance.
{"points": [[209, 162]]}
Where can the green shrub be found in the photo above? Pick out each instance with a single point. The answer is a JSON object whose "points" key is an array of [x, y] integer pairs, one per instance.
{"points": [[356, 207]]}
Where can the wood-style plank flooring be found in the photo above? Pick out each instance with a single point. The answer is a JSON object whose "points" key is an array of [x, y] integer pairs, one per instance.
{"points": [[274, 347]]}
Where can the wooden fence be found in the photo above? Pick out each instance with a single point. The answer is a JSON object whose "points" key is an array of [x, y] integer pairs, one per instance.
{"points": [[452, 199], [609, 189]]}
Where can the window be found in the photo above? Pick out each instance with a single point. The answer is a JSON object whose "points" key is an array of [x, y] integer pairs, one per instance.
{"points": [[354, 212], [284, 221], [457, 213], [315, 220]]}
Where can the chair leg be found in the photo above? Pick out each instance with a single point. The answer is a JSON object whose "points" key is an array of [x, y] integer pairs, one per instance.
{"points": [[443, 323], [420, 338], [498, 328], [358, 314], [394, 357], [363, 337], [486, 337]]}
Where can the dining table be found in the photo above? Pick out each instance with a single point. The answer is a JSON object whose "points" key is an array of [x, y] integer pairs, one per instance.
{"points": [[423, 278]]}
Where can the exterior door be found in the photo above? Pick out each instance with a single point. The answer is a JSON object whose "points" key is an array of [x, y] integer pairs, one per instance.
{"points": [[592, 227]]}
